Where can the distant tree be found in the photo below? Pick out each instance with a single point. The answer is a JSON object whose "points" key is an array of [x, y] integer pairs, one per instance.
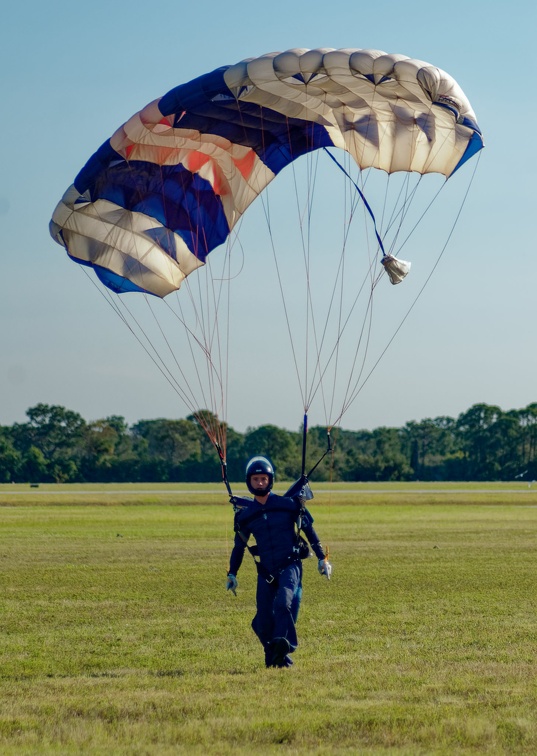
{"points": [[528, 442], [172, 448], [506, 445], [57, 434], [56, 444], [108, 451], [477, 432], [326, 465], [34, 468], [374, 455], [235, 455], [427, 445], [10, 458]]}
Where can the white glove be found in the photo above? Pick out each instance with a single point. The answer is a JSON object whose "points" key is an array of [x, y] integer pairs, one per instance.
{"points": [[232, 584], [325, 568]]}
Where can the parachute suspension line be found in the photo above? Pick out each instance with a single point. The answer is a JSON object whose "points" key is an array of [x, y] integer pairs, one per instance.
{"points": [[147, 346], [341, 322], [313, 336], [362, 197], [304, 213], [207, 324], [223, 465], [210, 425], [365, 334], [310, 321], [122, 310], [339, 284], [193, 402], [192, 340], [341, 278], [366, 328], [364, 340], [311, 318], [203, 314], [359, 386], [215, 298], [369, 311], [374, 281], [215, 340], [333, 354], [265, 203], [401, 207], [306, 252], [213, 337], [353, 206], [329, 449], [319, 372], [316, 382], [186, 395], [344, 323], [215, 333], [305, 255], [311, 385], [428, 207], [308, 385], [226, 371]]}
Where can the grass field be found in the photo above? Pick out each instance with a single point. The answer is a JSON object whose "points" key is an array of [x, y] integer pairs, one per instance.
{"points": [[117, 635]]}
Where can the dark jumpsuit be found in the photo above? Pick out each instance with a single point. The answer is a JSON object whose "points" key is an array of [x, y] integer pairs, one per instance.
{"points": [[279, 580]]}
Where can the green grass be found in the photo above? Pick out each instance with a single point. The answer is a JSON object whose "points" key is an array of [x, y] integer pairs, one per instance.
{"points": [[117, 636]]}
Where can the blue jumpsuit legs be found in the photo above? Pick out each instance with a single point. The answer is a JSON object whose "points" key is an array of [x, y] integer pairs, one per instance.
{"points": [[277, 608]]}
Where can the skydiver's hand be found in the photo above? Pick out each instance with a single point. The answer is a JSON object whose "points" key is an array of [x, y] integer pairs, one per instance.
{"points": [[325, 568], [232, 584]]}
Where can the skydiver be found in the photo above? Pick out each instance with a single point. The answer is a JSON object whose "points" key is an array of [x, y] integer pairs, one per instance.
{"points": [[275, 522]]}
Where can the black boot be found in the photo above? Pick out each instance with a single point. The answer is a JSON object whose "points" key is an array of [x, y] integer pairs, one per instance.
{"points": [[280, 649]]}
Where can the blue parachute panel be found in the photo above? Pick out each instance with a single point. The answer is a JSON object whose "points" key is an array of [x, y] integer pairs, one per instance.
{"points": [[181, 201], [116, 283], [474, 146]]}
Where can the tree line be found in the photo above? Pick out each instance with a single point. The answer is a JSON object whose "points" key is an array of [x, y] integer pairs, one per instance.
{"points": [[58, 445]]}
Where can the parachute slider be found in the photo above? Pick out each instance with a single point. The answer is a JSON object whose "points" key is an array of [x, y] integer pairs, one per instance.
{"points": [[396, 269]]}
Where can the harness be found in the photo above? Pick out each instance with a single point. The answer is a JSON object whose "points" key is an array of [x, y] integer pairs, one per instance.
{"points": [[300, 549]]}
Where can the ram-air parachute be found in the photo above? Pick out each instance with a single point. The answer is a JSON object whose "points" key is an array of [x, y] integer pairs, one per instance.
{"points": [[172, 183]]}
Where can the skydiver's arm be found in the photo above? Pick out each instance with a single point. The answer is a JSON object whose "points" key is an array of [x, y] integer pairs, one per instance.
{"points": [[237, 554], [311, 535]]}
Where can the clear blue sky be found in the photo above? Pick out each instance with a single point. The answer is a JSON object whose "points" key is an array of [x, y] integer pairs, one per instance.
{"points": [[72, 73]]}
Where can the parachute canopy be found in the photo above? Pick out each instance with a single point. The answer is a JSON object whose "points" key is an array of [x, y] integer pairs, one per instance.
{"points": [[169, 186]]}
